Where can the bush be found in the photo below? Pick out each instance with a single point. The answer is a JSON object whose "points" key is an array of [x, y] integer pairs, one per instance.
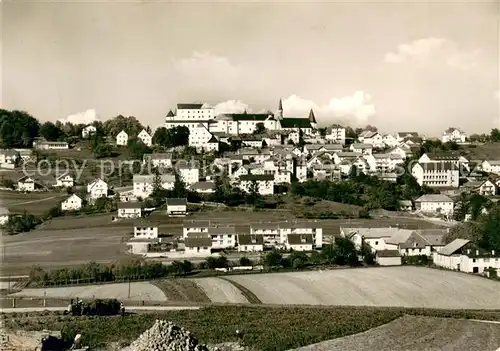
{"points": [[419, 260]]}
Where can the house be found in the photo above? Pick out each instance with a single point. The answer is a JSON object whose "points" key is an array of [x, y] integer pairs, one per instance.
{"points": [[453, 135], [372, 138], [176, 207], [88, 131], [378, 239], [9, 158], [122, 138], [435, 203], [252, 140], [198, 246], [145, 138], [388, 258], [129, 209], [4, 215], [436, 174], [491, 166], [462, 256], [200, 136], [189, 171], [145, 229], [72, 203], [264, 183], [487, 188], [300, 242], [127, 194], [144, 184], [446, 157], [390, 140], [161, 160], [64, 181], [401, 136], [336, 134], [97, 189], [365, 149], [26, 183], [42, 144], [405, 205], [250, 243], [223, 237], [203, 187]]}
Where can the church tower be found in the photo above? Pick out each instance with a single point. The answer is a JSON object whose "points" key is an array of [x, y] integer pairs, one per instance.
{"points": [[312, 119], [279, 113]]}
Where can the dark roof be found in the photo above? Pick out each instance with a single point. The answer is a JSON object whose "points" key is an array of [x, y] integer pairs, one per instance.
{"points": [[451, 156], [189, 106], [170, 113], [297, 239], [198, 242], [388, 253], [203, 185], [250, 239], [413, 134], [213, 139], [294, 122], [312, 118], [262, 177], [129, 205], [176, 202], [249, 116]]}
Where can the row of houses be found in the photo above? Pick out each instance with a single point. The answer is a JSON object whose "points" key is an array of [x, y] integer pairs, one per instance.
{"points": [[201, 238], [391, 244]]}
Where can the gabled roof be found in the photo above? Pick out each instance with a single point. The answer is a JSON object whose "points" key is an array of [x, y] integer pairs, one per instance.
{"points": [[438, 166], [170, 113], [388, 253], [294, 122], [123, 205], [362, 146], [433, 198], [198, 242], [177, 202], [300, 239], [453, 247], [248, 116], [203, 185], [26, 179], [250, 239], [189, 106], [371, 233]]}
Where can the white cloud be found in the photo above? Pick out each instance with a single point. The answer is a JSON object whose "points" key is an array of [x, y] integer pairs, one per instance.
{"points": [[85, 117], [356, 109], [231, 106], [205, 68], [435, 50]]}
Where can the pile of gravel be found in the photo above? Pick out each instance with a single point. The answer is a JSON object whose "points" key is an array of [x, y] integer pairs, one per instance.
{"points": [[166, 336]]}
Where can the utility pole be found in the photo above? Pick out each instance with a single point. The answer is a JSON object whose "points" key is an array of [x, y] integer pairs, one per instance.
{"points": [[129, 288]]}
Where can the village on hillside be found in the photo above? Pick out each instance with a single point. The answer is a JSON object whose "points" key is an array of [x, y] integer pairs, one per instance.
{"points": [[261, 161]]}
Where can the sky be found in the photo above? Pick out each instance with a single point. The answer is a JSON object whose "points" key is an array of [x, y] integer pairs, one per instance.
{"points": [[402, 66]]}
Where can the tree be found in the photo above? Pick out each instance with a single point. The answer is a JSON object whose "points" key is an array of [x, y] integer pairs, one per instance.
{"points": [[219, 191], [259, 128], [179, 190], [50, 131], [345, 252], [137, 149], [273, 259], [245, 261], [130, 125], [172, 137], [217, 262], [253, 192], [181, 268], [17, 129], [495, 135]]}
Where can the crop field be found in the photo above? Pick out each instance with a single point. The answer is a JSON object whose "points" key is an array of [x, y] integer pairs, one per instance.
{"points": [[35, 203], [263, 328], [385, 286], [220, 290], [184, 290], [419, 333], [138, 291]]}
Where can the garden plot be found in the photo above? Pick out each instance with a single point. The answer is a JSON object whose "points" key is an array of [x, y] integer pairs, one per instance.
{"points": [[388, 286], [418, 333], [220, 290], [138, 291]]}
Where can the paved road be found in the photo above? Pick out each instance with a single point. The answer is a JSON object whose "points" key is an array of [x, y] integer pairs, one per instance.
{"points": [[129, 308]]}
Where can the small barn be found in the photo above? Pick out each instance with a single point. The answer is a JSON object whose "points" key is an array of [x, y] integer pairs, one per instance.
{"points": [[388, 258], [176, 207]]}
